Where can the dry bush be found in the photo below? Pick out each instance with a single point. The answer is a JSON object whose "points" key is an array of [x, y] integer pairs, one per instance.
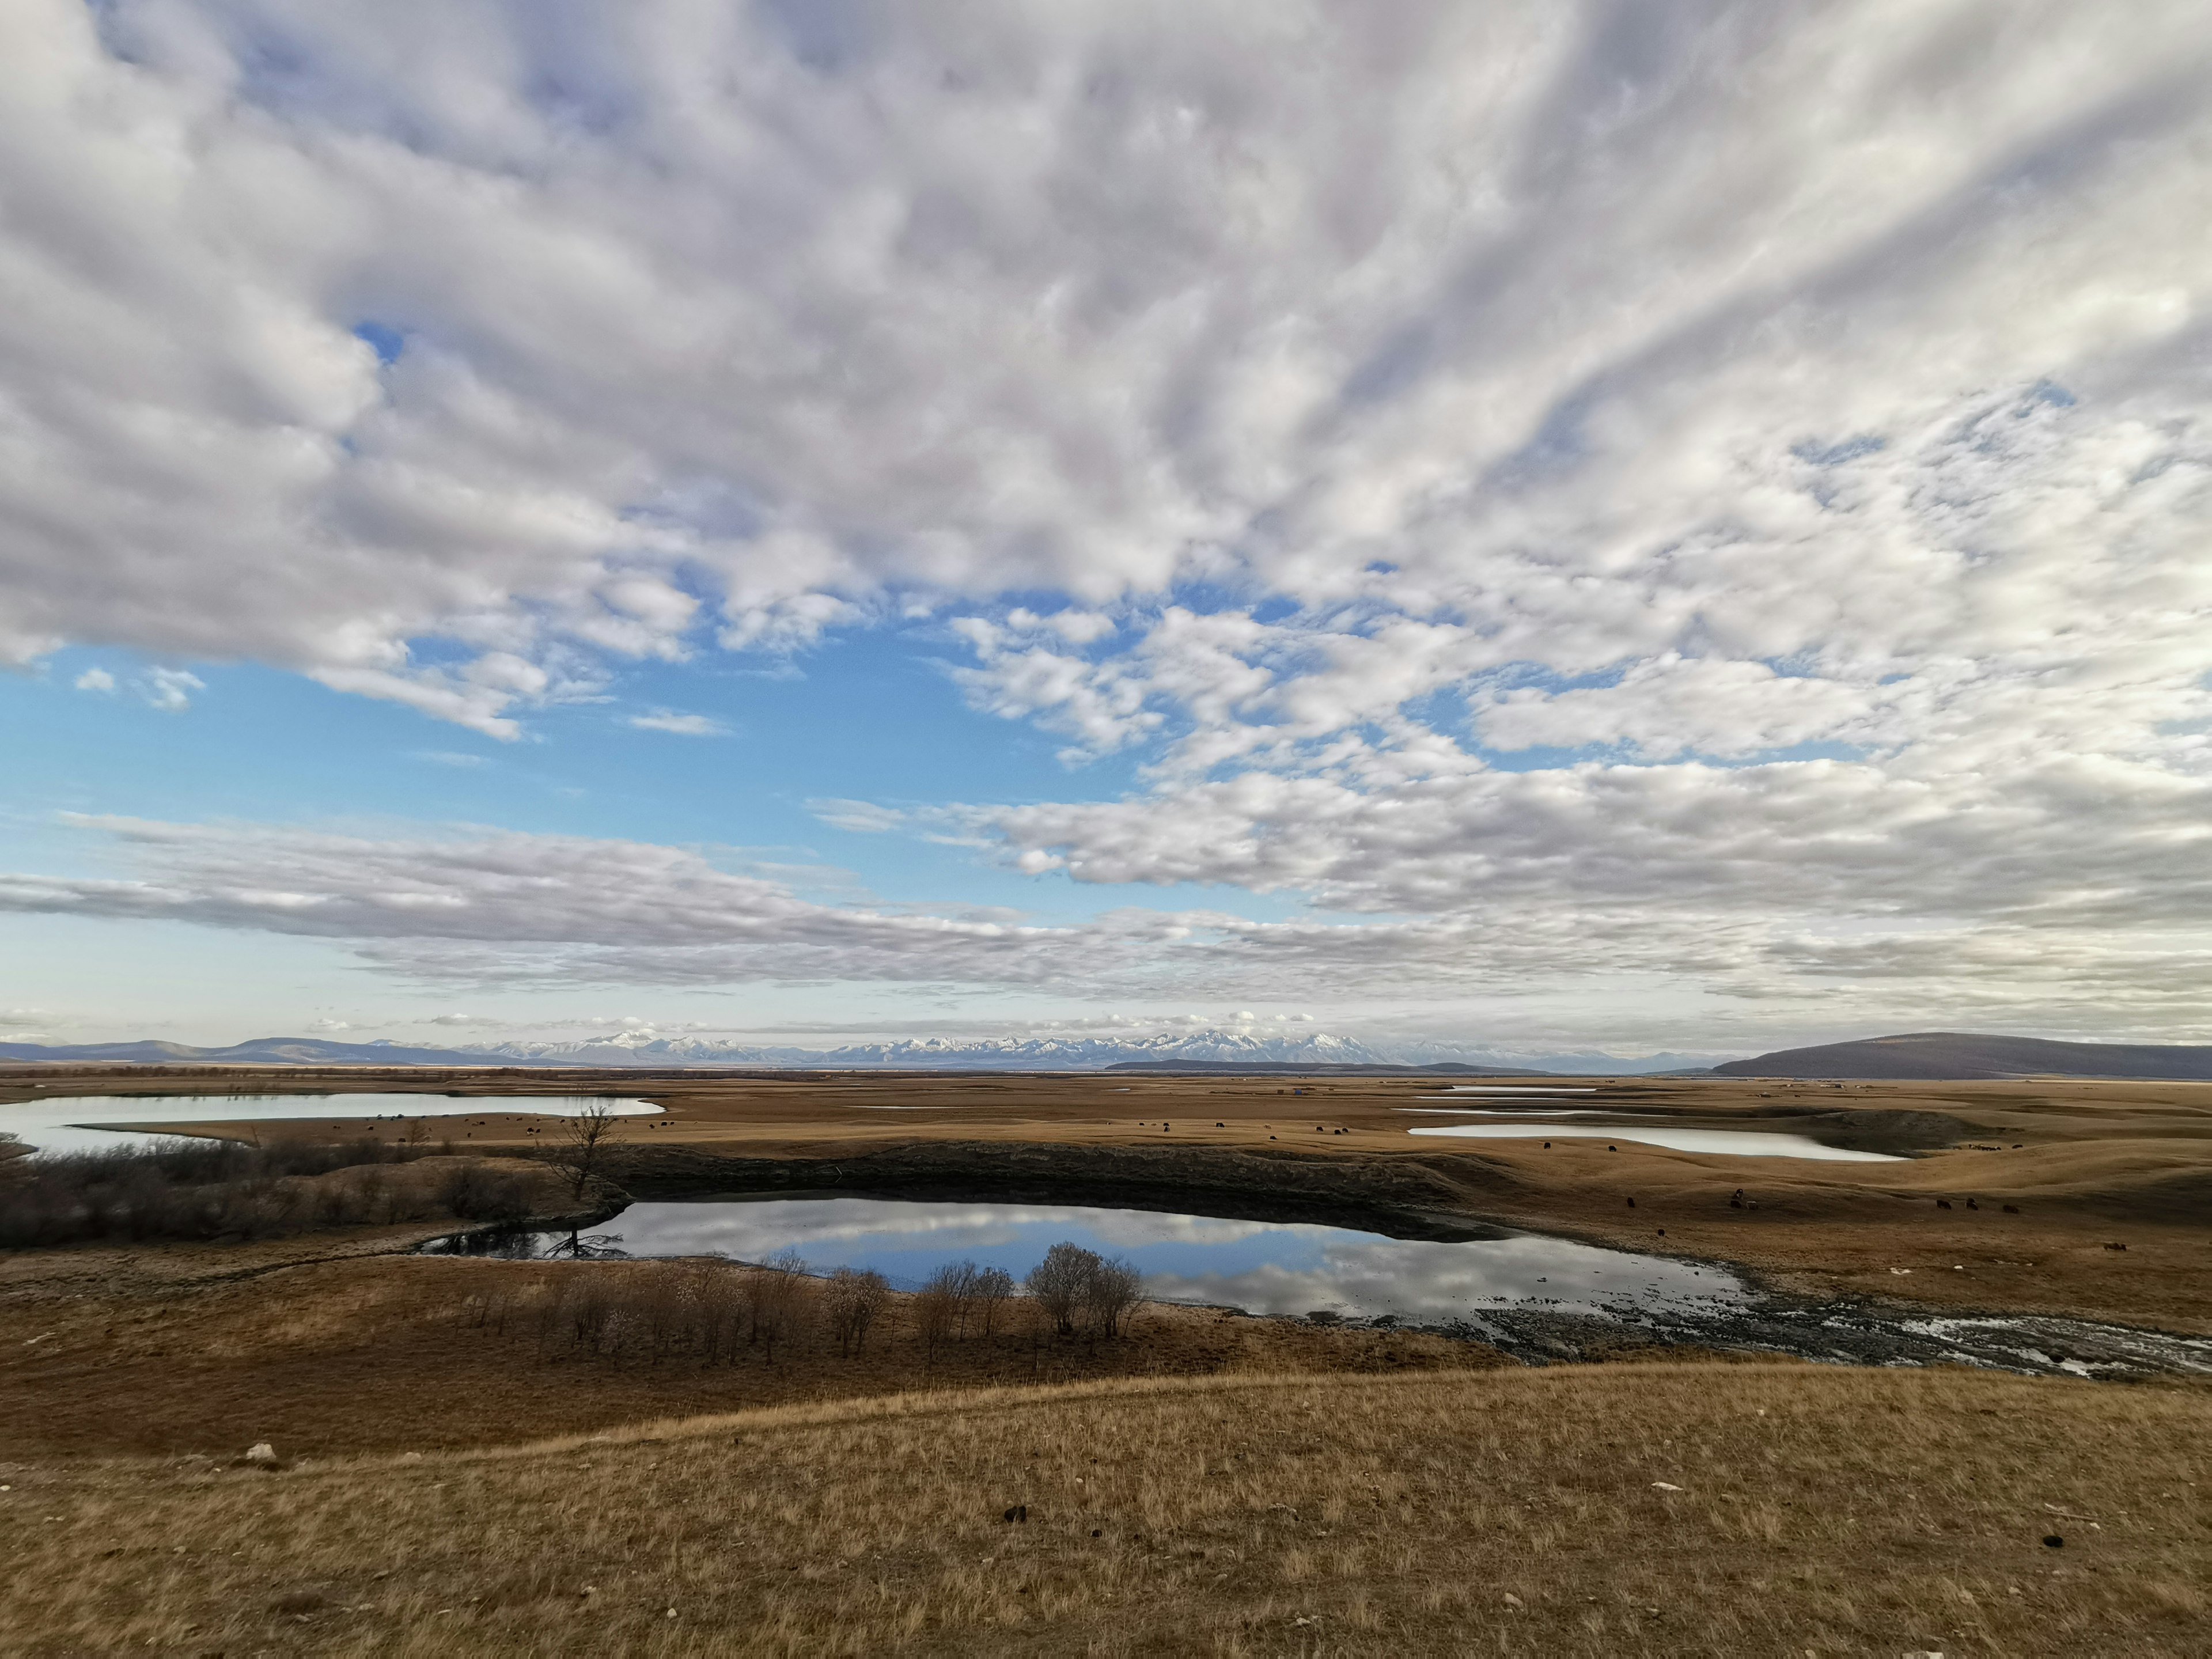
{"points": [[1056, 1284], [854, 1299], [1076, 1287], [1115, 1289], [778, 1295], [712, 1311], [930, 1310], [197, 1190], [988, 1293]]}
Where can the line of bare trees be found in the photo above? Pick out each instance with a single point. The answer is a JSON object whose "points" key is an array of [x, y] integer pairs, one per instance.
{"points": [[719, 1312]]}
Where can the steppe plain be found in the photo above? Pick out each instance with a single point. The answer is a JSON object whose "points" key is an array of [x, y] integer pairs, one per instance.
{"points": [[1266, 1485]]}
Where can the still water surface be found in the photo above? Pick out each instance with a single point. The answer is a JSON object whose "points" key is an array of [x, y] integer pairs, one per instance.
{"points": [[63, 1124], [1735, 1143], [1263, 1267]]}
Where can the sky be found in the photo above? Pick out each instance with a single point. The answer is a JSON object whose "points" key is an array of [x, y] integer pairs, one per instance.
{"points": [[1658, 525]]}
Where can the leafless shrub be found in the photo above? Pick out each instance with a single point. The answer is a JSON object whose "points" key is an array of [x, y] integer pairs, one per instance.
{"points": [[721, 1306], [993, 1286], [934, 1307], [201, 1190], [474, 1193], [587, 1313], [853, 1298], [1115, 1290], [1072, 1284], [1057, 1284], [775, 1299]]}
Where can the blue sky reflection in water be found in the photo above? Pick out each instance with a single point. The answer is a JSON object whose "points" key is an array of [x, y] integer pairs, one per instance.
{"points": [[1263, 1267]]}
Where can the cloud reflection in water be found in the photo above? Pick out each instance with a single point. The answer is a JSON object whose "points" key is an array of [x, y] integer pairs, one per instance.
{"points": [[1261, 1267]]}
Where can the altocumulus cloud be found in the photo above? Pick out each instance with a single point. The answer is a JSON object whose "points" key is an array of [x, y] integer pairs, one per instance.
{"points": [[1785, 426], [468, 907]]}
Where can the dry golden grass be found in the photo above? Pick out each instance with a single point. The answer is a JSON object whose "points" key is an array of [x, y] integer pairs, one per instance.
{"points": [[341, 1355], [1822, 1511]]}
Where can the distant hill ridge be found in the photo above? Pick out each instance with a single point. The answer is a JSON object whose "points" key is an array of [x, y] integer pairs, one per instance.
{"points": [[1231, 1049], [1926, 1055], [1331, 1068], [1965, 1056]]}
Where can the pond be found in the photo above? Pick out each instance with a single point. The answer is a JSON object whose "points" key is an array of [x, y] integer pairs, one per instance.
{"points": [[1733, 1143], [1510, 1090], [68, 1123], [1261, 1267]]}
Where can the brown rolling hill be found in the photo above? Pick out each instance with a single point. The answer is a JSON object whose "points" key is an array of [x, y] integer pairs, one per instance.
{"points": [[1966, 1055]]}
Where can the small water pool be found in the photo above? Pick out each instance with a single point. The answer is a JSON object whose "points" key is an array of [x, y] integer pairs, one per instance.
{"points": [[1734, 1143], [1504, 1111], [1262, 1267], [1516, 1089], [67, 1123]]}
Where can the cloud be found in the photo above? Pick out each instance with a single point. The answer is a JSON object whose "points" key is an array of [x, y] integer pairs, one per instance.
{"points": [[540, 339], [860, 817], [95, 679], [168, 688], [508, 910], [683, 726], [1336, 410], [512, 908]]}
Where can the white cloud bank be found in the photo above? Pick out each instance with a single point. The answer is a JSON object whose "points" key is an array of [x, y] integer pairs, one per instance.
{"points": [[506, 910], [1392, 395]]}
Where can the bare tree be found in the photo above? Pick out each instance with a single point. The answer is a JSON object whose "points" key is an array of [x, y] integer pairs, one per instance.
{"points": [[584, 1136], [992, 1286], [934, 1307], [1115, 1289], [855, 1298], [1059, 1283], [775, 1297], [722, 1303]]}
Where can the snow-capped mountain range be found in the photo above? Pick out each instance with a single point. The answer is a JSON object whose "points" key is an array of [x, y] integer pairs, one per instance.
{"points": [[646, 1049], [1015, 1054]]}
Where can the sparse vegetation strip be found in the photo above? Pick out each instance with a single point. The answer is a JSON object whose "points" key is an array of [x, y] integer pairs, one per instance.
{"points": [[203, 1190]]}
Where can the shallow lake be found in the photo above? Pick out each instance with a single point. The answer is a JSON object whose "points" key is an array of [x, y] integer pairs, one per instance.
{"points": [[1510, 1089], [1735, 1143], [64, 1124], [1262, 1267]]}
